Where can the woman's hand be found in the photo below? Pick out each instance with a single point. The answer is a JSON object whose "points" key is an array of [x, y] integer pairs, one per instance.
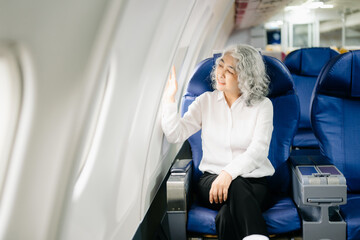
{"points": [[171, 86], [220, 187]]}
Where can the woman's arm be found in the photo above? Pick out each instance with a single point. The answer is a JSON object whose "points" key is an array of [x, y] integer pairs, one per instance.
{"points": [[178, 129]]}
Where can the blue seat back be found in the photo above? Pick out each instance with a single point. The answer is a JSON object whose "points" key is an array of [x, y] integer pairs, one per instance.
{"points": [[286, 120], [305, 65], [286, 116], [335, 115]]}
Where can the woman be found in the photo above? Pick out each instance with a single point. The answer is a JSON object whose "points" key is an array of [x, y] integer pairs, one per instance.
{"points": [[237, 122]]}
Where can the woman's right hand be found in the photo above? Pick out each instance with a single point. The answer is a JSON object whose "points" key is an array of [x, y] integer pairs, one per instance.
{"points": [[171, 86], [220, 188]]}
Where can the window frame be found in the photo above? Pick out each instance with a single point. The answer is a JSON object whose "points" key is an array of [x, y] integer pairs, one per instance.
{"points": [[10, 105]]}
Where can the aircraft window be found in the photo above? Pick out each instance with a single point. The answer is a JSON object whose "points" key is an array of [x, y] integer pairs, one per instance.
{"points": [[10, 96], [181, 77]]}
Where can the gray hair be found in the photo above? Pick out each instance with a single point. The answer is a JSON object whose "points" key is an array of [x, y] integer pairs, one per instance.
{"points": [[253, 81]]}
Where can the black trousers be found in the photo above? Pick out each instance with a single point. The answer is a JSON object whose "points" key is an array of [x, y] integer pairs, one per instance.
{"points": [[241, 214]]}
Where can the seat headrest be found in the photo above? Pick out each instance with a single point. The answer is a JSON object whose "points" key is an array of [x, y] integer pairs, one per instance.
{"points": [[200, 81], [341, 76], [309, 61], [281, 82]]}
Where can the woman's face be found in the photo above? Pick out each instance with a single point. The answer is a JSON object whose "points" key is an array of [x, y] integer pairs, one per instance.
{"points": [[226, 76]]}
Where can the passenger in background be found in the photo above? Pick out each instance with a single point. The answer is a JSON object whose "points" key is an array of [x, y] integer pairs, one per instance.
{"points": [[237, 122]]}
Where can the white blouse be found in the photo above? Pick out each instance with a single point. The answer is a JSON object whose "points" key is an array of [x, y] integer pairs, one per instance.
{"points": [[234, 139]]}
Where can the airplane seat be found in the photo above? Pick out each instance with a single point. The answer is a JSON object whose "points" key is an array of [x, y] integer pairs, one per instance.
{"points": [[282, 215], [335, 114], [305, 65]]}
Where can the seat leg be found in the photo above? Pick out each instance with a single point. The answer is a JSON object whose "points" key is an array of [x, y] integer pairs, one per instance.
{"points": [[177, 225]]}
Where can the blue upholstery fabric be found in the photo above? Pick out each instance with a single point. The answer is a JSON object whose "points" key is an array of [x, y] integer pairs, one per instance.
{"points": [[338, 79], [351, 214], [305, 65], [304, 87], [355, 77], [282, 216], [335, 114], [201, 220], [282, 95], [308, 61], [337, 126], [305, 137]]}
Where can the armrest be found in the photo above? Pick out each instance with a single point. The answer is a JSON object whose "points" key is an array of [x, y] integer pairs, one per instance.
{"points": [[181, 166], [178, 192], [178, 185], [316, 181], [318, 190]]}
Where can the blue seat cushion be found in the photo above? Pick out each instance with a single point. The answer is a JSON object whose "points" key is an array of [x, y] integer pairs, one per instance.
{"points": [[305, 138], [201, 220], [282, 217], [351, 214]]}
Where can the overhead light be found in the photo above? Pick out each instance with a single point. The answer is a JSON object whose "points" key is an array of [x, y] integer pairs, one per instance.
{"points": [[273, 24], [327, 6], [314, 5], [309, 5]]}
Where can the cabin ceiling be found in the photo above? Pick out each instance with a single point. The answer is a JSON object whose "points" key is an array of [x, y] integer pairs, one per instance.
{"points": [[249, 13]]}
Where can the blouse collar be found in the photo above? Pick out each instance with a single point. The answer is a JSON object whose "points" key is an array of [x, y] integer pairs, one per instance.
{"points": [[222, 96]]}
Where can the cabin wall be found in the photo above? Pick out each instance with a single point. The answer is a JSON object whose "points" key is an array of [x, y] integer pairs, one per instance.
{"points": [[53, 43], [89, 155], [130, 154]]}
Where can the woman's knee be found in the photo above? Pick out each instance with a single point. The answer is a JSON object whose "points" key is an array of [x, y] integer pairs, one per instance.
{"points": [[240, 188]]}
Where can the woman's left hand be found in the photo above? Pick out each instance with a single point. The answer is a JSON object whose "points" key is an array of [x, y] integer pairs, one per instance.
{"points": [[220, 187]]}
